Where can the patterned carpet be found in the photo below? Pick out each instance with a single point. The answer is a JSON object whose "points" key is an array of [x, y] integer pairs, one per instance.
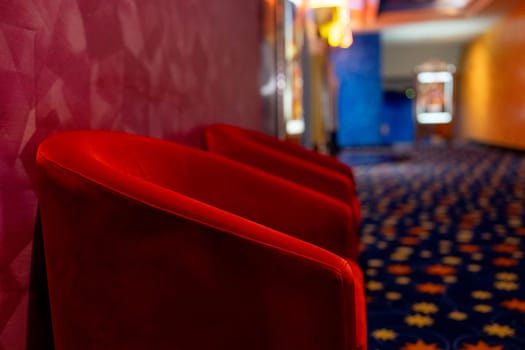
{"points": [[369, 156], [443, 236]]}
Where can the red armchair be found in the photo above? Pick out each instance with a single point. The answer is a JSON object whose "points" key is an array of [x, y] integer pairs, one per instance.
{"points": [[153, 245], [288, 160]]}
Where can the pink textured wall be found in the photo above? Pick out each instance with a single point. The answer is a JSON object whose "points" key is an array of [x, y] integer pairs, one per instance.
{"points": [[163, 68]]}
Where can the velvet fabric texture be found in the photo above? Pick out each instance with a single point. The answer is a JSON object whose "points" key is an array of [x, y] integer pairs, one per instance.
{"points": [[290, 161], [154, 245]]}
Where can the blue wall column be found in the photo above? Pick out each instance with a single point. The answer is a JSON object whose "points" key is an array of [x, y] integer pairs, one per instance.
{"points": [[360, 100], [397, 110]]}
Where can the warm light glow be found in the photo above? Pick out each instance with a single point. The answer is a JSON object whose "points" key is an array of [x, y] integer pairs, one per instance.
{"points": [[338, 32], [295, 127], [434, 118], [320, 3], [348, 40], [334, 35], [327, 3]]}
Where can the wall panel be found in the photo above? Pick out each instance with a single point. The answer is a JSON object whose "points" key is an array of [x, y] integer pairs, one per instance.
{"points": [[493, 84], [360, 100], [164, 68]]}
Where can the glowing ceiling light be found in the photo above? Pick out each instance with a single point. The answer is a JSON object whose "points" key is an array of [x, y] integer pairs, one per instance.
{"points": [[346, 39], [338, 31], [334, 35], [327, 3]]}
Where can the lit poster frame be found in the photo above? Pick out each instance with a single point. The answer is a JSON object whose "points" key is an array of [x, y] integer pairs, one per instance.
{"points": [[435, 93]]}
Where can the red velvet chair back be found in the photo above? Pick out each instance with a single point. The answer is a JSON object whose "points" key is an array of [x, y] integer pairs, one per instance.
{"points": [[154, 245], [287, 160]]}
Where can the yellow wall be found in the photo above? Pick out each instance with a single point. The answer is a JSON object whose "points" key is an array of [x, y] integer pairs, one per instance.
{"points": [[492, 107]]}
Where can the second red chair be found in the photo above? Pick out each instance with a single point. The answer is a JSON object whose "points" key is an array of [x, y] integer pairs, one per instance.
{"points": [[287, 160]]}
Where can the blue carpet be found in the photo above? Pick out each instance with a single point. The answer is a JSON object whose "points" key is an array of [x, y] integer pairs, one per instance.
{"points": [[443, 238], [370, 156], [366, 158]]}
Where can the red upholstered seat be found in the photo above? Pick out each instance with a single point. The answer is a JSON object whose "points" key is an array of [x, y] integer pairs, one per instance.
{"points": [[154, 245], [288, 160]]}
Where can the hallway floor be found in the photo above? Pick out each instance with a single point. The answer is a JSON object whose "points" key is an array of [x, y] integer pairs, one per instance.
{"points": [[443, 238]]}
